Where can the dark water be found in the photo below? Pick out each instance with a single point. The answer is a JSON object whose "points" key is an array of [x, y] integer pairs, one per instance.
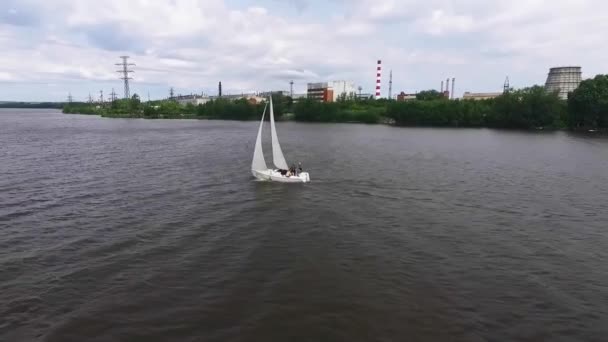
{"points": [[133, 230]]}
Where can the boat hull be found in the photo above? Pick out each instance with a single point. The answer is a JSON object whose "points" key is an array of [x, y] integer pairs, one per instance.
{"points": [[275, 176]]}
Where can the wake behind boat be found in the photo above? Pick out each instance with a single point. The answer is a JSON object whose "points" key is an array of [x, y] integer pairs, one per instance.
{"points": [[282, 173]]}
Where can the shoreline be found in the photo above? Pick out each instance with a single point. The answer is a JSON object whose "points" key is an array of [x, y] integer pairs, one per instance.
{"points": [[383, 122]]}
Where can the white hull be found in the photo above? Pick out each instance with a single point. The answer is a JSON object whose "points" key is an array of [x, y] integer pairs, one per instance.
{"points": [[276, 176]]}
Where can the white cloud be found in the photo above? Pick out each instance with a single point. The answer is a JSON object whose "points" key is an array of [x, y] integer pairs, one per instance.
{"points": [[440, 23], [192, 44], [5, 76]]}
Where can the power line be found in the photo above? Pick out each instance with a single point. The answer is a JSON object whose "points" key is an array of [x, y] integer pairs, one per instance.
{"points": [[125, 74]]}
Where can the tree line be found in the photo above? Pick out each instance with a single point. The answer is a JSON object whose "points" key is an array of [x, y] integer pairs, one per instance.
{"points": [[528, 108], [33, 105], [219, 108]]}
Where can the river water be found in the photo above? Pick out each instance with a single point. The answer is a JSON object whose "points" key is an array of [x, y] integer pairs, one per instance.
{"points": [[153, 230]]}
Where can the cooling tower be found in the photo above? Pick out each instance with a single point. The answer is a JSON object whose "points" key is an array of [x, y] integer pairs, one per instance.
{"points": [[563, 80]]}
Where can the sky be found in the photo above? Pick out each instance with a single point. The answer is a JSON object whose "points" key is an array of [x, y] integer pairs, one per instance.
{"points": [[52, 48]]}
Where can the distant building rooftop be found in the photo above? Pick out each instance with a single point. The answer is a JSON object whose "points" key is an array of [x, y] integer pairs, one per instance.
{"points": [[480, 96]]}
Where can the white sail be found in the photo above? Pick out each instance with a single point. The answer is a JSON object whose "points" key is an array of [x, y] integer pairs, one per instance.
{"points": [[277, 155], [258, 163]]}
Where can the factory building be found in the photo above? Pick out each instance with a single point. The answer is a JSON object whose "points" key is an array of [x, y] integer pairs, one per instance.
{"points": [[343, 88], [480, 96], [330, 91], [563, 80], [275, 93], [405, 97], [198, 99], [320, 92], [252, 98], [192, 99]]}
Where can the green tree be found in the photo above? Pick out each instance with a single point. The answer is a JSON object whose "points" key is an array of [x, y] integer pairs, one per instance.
{"points": [[134, 103], [588, 104], [428, 95], [527, 108]]}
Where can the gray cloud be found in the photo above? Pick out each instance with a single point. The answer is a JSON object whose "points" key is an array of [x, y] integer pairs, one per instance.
{"points": [[111, 36], [14, 13]]}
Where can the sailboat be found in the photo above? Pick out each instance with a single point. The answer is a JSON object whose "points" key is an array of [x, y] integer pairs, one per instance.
{"points": [[279, 173]]}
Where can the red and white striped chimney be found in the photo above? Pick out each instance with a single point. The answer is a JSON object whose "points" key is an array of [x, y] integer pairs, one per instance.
{"points": [[378, 79]]}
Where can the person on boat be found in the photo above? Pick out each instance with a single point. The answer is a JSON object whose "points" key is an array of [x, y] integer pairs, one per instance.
{"points": [[299, 167], [292, 170]]}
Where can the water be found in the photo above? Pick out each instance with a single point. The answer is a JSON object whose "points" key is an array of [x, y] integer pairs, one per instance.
{"points": [[141, 230]]}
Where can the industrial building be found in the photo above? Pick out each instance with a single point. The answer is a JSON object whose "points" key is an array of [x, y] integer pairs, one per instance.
{"points": [[364, 96], [446, 92], [320, 92], [563, 80], [275, 92], [405, 97], [330, 91], [252, 97], [192, 99], [199, 99], [480, 96]]}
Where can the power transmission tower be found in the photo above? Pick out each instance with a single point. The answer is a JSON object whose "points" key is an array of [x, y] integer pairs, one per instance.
{"points": [[171, 93], [390, 85], [112, 96], [90, 98], [507, 86], [101, 96], [291, 89], [125, 74], [148, 97], [70, 98]]}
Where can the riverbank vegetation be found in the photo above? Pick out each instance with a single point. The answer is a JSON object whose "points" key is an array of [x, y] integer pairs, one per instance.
{"points": [[525, 108], [222, 109], [528, 108], [32, 105]]}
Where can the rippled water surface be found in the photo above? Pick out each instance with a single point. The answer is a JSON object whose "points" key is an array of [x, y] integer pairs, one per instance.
{"points": [[135, 230]]}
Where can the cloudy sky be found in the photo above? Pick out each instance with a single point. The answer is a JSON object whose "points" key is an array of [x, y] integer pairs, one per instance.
{"points": [[52, 47]]}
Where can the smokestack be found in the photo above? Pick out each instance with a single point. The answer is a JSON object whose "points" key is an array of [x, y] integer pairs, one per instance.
{"points": [[378, 79], [453, 82], [447, 87], [442, 87], [219, 89]]}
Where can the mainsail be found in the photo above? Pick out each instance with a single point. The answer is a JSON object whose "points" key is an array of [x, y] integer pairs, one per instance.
{"points": [[258, 163], [277, 155]]}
